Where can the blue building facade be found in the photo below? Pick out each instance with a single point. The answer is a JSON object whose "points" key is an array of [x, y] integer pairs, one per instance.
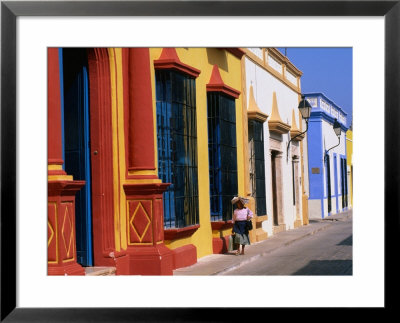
{"points": [[327, 158]]}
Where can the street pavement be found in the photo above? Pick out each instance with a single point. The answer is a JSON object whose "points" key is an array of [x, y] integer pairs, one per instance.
{"points": [[218, 264]]}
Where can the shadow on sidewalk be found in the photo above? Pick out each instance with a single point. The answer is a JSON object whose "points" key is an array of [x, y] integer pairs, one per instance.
{"points": [[327, 267]]}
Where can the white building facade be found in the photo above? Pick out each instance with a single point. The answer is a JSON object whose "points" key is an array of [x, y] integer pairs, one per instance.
{"points": [[277, 171]]}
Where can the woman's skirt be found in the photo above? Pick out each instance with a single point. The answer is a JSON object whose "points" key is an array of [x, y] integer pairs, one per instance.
{"points": [[242, 239], [241, 233]]}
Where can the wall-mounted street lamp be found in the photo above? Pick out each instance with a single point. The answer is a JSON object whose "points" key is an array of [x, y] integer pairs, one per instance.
{"points": [[338, 130], [305, 110]]}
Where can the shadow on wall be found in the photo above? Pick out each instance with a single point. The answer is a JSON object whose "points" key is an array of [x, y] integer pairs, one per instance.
{"points": [[218, 57], [327, 268]]}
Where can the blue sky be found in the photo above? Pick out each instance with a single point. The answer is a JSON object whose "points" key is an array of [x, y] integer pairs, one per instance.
{"points": [[328, 70]]}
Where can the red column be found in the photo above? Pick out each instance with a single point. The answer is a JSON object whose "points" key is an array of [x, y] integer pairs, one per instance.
{"points": [[141, 129], [146, 250], [61, 238], [54, 108]]}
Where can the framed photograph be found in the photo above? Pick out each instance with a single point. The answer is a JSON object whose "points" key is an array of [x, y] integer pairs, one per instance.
{"points": [[28, 28]]}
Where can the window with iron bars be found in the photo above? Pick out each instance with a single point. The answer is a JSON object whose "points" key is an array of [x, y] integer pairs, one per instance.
{"points": [[222, 153], [177, 147], [257, 166]]}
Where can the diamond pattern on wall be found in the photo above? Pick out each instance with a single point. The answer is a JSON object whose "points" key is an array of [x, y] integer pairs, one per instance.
{"points": [[67, 232], [50, 233], [140, 223]]}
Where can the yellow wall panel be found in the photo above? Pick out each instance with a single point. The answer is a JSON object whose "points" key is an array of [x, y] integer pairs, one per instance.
{"points": [[229, 65]]}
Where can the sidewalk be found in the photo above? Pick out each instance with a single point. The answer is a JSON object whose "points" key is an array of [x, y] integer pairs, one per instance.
{"points": [[220, 263]]}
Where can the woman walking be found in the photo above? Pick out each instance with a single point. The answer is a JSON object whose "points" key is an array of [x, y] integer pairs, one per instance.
{"points": [[240, 217]]}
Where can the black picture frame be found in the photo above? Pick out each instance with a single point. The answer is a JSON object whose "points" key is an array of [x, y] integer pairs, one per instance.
{"points": [[10, 10]]}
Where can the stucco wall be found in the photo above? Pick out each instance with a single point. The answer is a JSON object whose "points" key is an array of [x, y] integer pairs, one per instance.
{"points": [[230, 69], [321, 138], [264, 85]]}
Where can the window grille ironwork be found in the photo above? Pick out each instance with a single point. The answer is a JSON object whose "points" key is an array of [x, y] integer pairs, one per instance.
{"points": [[257, 166], [177, 147], [222, 153]]}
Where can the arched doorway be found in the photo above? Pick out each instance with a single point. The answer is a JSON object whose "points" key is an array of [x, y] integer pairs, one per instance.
{"points": [[76, 143], [87, 149]]}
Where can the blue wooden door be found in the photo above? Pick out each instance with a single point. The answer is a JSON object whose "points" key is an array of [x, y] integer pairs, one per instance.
{"points": [[336, 182], [76, 143], [328, 184]]}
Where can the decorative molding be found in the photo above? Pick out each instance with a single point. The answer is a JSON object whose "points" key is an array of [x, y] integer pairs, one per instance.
{"points": [[326, 108], [296, 135], [52, 235], [145, 189], [221, 225], [294, 130], [294, 149], [262, 62], [284, 60], [169, 60], [257, 51], [238, 52], [275, 123], [179, 233], [67, 233], [216, 84], [275, 145], [290, 77], [253, 111], [61, 228], [275, 64], [140, 219], [261, 218]]}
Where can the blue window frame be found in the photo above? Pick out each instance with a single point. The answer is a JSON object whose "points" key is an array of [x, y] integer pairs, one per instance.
{"points": [[257, 165], [177, 147], [222, 150]]}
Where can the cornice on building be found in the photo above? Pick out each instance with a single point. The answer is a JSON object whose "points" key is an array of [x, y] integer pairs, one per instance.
{"points": [[285, 66], [238, 52], [325, 112], [284, 60]]}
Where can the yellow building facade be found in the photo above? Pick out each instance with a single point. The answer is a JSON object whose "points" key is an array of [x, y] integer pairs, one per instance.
{"points": [[349, 148], [229, 67]]}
